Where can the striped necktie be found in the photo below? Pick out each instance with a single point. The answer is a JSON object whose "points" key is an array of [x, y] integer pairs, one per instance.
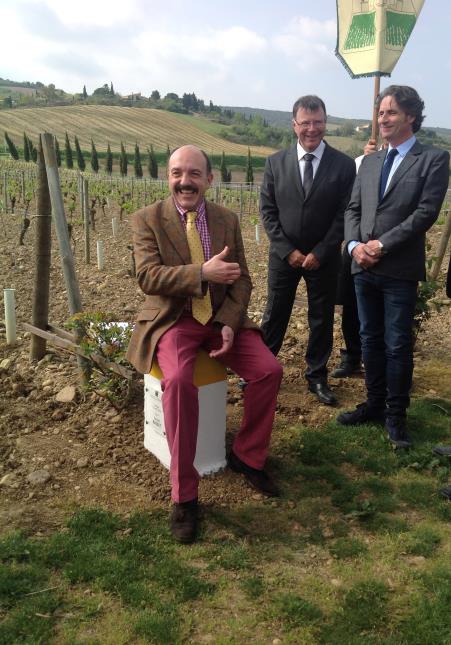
{"points": [[200, 307]]}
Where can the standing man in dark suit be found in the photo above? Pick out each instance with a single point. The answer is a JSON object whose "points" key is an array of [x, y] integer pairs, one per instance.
{"points": [[190, 263], [304, 194], [396, 198]]}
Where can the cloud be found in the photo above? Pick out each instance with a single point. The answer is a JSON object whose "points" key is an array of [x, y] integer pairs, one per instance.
{"points": [[101, 13], [310, 42], [79, 66], [213, 47]]}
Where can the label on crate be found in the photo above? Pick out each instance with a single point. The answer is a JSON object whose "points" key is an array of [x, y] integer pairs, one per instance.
{"points": [[155, 411]]}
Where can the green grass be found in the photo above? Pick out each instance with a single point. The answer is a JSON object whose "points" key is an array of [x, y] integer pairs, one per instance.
{"points": [[355, 552]]}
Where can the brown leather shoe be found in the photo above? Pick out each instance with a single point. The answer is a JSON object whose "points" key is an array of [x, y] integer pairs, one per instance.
{"points": [[183, 521], [258, 479]]}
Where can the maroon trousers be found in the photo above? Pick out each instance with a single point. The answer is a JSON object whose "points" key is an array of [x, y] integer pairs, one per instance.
{"points": [[251, 360]]}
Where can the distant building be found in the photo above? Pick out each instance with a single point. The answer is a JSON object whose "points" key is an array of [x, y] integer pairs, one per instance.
{"points": [[132, 97]]}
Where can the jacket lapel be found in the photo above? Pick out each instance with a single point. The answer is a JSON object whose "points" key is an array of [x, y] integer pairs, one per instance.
{"points": [[173, 228], [216, 228], [408, 161], [373, 185], [294, 178], [322, 171]]}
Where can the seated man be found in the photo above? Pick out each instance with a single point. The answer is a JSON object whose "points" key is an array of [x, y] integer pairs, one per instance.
{"points": [[190, 264]]}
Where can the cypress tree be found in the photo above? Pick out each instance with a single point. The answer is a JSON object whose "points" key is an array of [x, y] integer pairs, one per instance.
{"points": [[168, 152], [223, 169], [68, 153], [137, 162], [33, 151], [123, 161], [111, 89], [57, 152], [94, 158], [152, 163], [249, 170], [109, 161], [11, 147], [85, 93], [26, 149], [80, 159]]}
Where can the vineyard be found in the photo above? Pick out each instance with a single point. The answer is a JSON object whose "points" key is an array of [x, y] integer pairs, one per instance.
{"points": [[114, 124], [109, 194]]}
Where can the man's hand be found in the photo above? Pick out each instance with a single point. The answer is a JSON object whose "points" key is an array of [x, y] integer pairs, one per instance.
{"points": [[363, 256], [227, 342], [310, 263], [373, 248], [370, 147], [217, 270], [295, 259]]}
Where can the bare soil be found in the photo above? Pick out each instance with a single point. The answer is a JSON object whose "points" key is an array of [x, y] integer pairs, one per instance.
{"points": [[95, 455]]}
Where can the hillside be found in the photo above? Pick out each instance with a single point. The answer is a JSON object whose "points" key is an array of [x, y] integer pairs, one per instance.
{"points": [[282, 119], [114, 124]]}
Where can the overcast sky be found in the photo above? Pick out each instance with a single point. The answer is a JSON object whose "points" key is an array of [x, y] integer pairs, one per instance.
{"points": [[252, 53]]}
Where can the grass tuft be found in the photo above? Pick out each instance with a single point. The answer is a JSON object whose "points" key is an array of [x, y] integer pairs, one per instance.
{"points": [[347, 548]]}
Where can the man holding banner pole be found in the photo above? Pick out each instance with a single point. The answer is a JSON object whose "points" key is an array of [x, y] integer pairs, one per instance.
{"points": [[396, 198]]}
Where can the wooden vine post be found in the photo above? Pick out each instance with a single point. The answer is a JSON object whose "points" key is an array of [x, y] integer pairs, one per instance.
{"points": [[86, 219], [442, 246], [67, 260], [40, 306]]}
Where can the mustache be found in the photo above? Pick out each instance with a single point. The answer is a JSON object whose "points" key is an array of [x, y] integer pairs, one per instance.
{"points": [[181, 187]]}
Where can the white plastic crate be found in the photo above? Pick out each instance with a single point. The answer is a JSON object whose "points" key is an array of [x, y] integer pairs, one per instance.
{"points": [[210, 378]]}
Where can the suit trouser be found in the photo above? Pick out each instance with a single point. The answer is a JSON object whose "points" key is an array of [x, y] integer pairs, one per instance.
{"points": [[386, 310], [251, 360], [350, 325], [321, 286]]}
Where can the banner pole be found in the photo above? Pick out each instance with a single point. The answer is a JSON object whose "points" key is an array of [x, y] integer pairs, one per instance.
{"points": [[377, 89]]}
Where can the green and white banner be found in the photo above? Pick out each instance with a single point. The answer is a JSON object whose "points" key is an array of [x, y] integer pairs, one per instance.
{"points": [[371, 34]]}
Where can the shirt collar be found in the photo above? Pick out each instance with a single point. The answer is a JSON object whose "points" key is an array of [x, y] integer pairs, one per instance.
{"points": [[318, 152], [404, 147], [201, 208]]}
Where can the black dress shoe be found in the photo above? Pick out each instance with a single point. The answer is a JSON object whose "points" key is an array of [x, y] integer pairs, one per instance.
{"points": [[346, 369], [258, 479], [397, 433], [443, 451], [183, 521], [323, 392], [362, 414]]}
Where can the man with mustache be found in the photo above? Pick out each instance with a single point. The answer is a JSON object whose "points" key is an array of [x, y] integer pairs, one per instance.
{"points": [[170, 327]]}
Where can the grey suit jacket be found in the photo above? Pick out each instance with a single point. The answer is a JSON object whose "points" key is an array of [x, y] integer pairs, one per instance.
{"points": [[410, 206], [313, 223]]}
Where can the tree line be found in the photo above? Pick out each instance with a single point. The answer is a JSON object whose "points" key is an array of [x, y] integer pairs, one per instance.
{"points": [[74, 155]]}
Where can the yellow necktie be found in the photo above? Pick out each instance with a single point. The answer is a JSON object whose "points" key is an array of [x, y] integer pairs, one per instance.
{"points": [[201, 307]]}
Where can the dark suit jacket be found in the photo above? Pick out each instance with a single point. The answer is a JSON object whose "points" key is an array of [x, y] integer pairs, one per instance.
{"points": [[408, 209], [168, 278], [313, 224]]}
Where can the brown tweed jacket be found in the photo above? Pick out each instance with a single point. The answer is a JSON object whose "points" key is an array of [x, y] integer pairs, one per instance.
{"points": [[168, 278]]}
